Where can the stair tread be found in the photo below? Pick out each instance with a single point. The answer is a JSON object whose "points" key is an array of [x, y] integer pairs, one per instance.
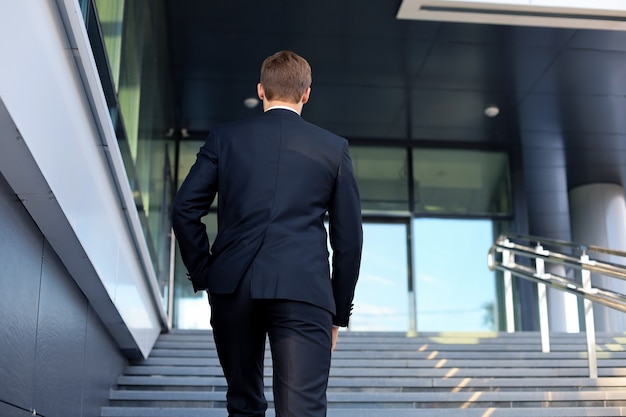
{"points": [[412, 354], [407, 371], [378, 412], [210, 355], [395, 381], [440, 363], [374, 346], [361, 397], [199, 333]]}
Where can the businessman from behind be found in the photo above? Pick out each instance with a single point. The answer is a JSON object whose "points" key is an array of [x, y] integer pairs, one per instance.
{"points": [[267, 273]]}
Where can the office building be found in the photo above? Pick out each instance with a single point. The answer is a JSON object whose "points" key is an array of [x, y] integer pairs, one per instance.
{"points": [[460, 129]]}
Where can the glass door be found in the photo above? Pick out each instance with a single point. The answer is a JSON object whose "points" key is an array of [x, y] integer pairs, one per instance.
{"points": [[455, 289], [381, 300]]}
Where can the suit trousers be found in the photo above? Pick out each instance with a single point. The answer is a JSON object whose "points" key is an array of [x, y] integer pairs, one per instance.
{"points": [[300, 342]]}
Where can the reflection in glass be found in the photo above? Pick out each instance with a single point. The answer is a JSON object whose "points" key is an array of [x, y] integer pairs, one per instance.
{"points": [[111, 16], [188, 149], [461, 182], [382, 177], [136, 82]]}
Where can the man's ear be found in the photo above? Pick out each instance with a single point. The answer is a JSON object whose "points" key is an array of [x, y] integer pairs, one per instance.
{"points": [[260, 91], [306, 95]]}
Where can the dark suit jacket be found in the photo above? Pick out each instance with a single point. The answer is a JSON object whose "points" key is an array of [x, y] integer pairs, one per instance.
{"points": [[277, 177]]}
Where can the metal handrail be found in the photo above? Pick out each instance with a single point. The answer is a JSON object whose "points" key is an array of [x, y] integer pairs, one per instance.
{"points": [[505, 242], [531, 248], [564, 243], [599, 295]]}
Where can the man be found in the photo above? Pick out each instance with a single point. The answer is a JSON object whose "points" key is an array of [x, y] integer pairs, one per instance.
{"points": [[276, 177]]}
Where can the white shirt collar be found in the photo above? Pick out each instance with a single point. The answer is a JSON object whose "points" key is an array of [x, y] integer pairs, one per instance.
{"points": [[283, 107]]}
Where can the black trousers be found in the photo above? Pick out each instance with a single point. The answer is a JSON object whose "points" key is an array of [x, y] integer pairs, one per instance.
{"points": [[300, 342]]}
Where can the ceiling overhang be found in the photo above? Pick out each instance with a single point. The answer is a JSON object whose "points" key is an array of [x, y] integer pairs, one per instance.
{"points": [[581, 14]]}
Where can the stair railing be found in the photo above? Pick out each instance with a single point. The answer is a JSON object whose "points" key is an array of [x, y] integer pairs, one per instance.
{"points": [[527, 256]]}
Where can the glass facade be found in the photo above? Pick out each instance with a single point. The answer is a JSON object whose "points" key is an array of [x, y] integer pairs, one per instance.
{"points": [[459, 197], [441, 206], [432, 182], [131, 50]]}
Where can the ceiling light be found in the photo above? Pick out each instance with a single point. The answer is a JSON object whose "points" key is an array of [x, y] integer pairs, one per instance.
{"points": [[579, 14], [492, 111], [251, 102]]}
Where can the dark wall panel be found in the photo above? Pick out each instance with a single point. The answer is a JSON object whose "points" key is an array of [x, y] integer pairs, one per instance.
{"points": [[103, 364], [8, 411], [545, 177], [21, 246], [56, 356], [60, 349]]}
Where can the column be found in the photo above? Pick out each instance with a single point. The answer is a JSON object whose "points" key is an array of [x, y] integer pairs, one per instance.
{"points": [[598, 217]]}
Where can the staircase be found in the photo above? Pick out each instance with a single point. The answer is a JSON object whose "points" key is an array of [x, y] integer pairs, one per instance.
{"points": [[388, 374]]}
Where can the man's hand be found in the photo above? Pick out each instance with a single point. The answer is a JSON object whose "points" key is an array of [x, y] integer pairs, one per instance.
{"points": [[335, 335]]}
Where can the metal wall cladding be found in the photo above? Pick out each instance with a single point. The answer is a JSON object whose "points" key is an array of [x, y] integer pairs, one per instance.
{"points": [[55, 355], [103, 364], [21, 247], [60, 350], [8, 411]]}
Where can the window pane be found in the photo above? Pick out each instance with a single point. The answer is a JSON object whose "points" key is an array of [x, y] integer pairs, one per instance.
{"points": [[455, 289], [381, 300], [186, 158], [382, 176], [111, 15], [191, 310], [461, 182]]}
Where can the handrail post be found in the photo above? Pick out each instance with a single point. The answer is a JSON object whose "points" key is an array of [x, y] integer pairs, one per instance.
{"points": [[170, 285], [590, 329], [412, 330], [544, 326], [508, 260]]}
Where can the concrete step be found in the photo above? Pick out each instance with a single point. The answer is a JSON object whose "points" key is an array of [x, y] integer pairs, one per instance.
{"points": [[209, 356], [435, 370], [389, 399], [382, 412], [390, 383], [181, 334], [412, 345], [463, 338]]}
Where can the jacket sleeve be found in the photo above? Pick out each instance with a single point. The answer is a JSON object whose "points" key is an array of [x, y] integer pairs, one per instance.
{"points": [[346, 239], [192, 202]]}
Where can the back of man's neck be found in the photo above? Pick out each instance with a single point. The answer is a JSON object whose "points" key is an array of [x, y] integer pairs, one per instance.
{"points": [[268, 104]]}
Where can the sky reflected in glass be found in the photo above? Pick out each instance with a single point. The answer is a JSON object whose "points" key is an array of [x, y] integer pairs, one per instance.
{"points": [[455, 289]]}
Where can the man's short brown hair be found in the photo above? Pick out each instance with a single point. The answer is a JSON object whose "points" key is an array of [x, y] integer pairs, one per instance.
{"points": [[285, 76]]}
